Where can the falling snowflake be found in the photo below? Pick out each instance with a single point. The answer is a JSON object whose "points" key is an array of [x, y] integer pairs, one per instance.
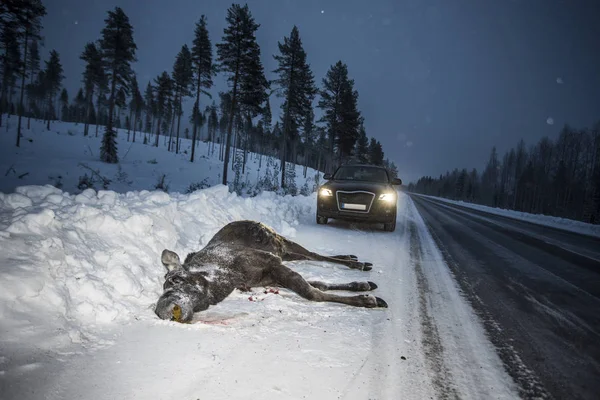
{"points": [[76, 22], [559, 81], [550, 121], [409, 144], [322, 11]]}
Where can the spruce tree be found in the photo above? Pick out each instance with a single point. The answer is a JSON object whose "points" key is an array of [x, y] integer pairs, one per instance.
{"points": [[203, 72], [182, 80], [362, 145], [309, 128], [239, 58], [54, 76], [296, 85], [375, 152], [64, 105], [93, 78], [80, 107], [118, 52], [339, 104]]}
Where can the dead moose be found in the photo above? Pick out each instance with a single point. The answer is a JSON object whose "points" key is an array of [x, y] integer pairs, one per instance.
{"points": [[245, 254]]}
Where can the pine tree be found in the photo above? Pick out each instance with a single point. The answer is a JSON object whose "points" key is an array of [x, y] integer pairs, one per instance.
{"points": [[239, 57], [64, 104], [54, 76], [27, 15], [339, 104], [297, 87], [182, 79], [203, 71], [118, 52], [163, 93]]}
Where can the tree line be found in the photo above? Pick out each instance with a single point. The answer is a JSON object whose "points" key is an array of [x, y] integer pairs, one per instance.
{"points": [[238, 120], [558, 177]]}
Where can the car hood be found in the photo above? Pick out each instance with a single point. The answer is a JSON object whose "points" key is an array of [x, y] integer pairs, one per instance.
{"points": [[357, 185]]}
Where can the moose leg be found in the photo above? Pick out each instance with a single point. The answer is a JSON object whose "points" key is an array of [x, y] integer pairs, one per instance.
{"points": [[296, 283], [346, 257], [352, 286], [294, 252]]}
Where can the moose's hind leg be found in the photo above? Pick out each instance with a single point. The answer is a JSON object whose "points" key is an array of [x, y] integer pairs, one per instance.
{"points": [[294, 252], [294, 281], [350, 257], [352, 286]]}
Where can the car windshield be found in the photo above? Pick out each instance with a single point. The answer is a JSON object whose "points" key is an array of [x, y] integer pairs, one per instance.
{"points": [[361, 174]]}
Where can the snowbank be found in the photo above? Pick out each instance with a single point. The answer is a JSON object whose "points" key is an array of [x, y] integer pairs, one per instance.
{"points": [[70, 263], [545, 220]]}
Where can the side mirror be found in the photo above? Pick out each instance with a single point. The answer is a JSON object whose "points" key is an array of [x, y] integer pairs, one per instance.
{"points": [[397, 181], [327, 177]]}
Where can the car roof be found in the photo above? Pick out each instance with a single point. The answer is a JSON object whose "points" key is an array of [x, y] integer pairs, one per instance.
{"points": [[362, 165]]}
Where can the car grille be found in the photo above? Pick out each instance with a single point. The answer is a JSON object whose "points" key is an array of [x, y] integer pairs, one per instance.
{"points": [[355, 198]]}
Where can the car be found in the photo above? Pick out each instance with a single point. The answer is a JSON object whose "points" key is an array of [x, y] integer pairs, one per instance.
{"points": [[360, 193]]}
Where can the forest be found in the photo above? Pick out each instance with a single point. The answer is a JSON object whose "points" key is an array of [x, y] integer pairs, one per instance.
{"points": [[239, 120], [559, 177]]}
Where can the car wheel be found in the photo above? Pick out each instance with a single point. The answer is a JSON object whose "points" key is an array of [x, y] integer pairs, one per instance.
{"points": [[322, 220], [390, 226]]}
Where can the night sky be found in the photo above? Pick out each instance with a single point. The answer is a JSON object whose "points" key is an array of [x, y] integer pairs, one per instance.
{"points": [[440, 81]]}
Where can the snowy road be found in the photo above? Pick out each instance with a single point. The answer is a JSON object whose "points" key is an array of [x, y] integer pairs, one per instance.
{"points": [[427, 344], [537, 289]]}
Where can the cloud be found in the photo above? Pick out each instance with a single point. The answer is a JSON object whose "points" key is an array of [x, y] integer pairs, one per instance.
{"points": [[550, 121]]}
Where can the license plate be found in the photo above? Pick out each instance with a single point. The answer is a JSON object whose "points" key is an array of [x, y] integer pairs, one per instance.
{"points": [[349, 206]]}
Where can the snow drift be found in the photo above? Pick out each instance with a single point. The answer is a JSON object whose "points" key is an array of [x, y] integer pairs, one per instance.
{"points": [[94, 258]]}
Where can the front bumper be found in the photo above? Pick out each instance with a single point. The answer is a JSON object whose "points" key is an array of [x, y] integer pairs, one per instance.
{"points": [[380, 211]]}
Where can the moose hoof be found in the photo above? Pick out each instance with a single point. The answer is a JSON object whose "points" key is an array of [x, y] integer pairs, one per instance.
{"points": [[381, 303], [372, 285], [367, 266]]}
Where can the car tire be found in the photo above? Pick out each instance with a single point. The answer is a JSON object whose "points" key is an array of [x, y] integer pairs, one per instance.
{"points": [[321, 220], [390, 226]]}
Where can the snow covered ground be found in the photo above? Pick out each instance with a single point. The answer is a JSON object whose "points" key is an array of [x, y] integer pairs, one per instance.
{"points": [[79, 276], [59, 157], [545, 220], [80, 273]]}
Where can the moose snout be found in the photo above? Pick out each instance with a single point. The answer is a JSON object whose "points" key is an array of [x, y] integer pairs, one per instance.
{"points": [[173, 306]]}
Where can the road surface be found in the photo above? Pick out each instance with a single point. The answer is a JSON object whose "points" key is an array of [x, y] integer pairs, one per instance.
{"points": [[536, 289]]}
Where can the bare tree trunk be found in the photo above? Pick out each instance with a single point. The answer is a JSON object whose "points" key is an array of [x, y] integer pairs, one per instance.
{"points": [[230, 124], [178, 124], [20, 108]]}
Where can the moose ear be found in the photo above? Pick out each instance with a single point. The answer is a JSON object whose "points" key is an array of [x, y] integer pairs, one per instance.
{"points": [[170, 260]]}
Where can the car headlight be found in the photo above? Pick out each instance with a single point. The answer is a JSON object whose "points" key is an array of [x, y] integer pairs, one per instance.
{"points": [[325, 192], [388, 197]]}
